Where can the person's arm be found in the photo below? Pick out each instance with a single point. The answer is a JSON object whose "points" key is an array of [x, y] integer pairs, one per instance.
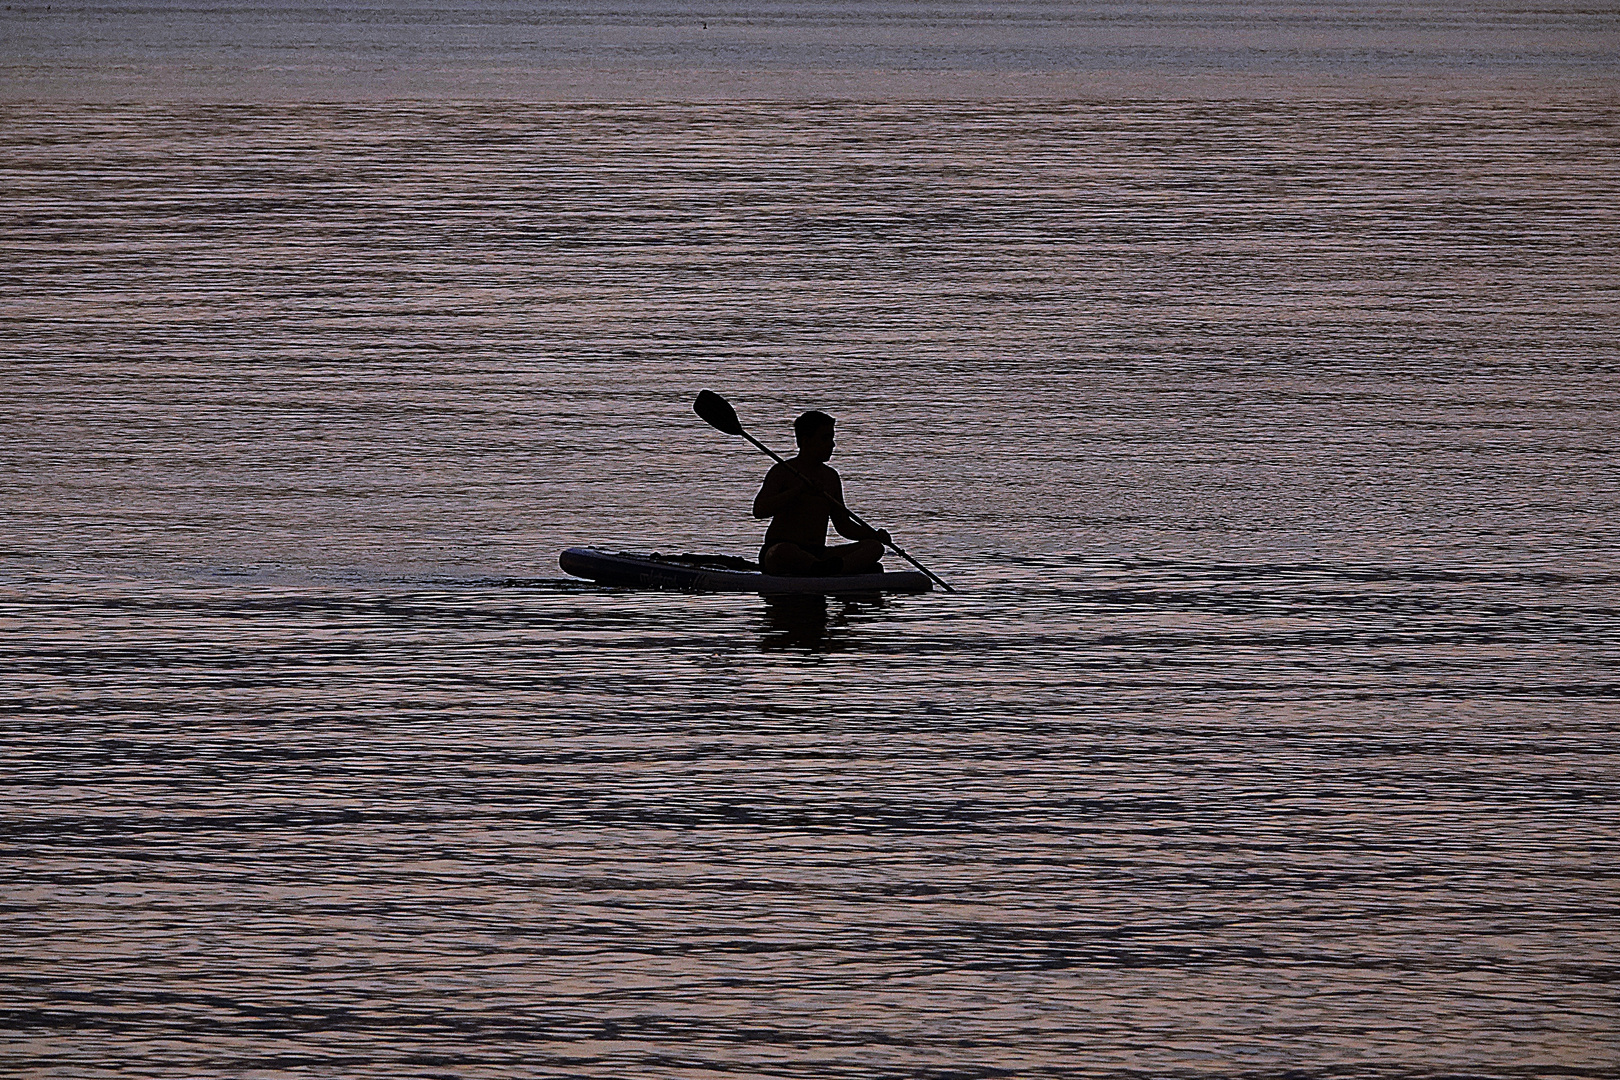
{"points": [[846, 526], [781, 489]]}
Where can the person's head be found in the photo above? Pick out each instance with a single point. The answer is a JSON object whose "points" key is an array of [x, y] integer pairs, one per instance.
{"points": [[813, 431]]}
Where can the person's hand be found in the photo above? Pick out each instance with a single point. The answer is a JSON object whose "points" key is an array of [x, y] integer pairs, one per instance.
{"points": [[883, 536]]}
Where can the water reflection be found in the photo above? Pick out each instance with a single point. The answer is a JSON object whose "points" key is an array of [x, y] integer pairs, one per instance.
{"points": [[798, 622], [813, 623]]}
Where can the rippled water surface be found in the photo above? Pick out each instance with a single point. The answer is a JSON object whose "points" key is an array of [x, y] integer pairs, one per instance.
{"points": [[1273, 730]]}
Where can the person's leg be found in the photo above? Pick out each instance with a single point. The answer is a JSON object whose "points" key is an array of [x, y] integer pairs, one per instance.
{"points": [[789, 560], [857, 558]]}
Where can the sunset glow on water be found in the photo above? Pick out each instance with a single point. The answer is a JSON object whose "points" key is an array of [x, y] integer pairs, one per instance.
{"points": [[1251, 373]]}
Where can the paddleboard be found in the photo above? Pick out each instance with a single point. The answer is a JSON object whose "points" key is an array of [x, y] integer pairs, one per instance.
{"points": [[719, 573]]}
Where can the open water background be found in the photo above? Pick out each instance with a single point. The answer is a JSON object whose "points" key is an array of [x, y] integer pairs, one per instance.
{"points": [[1260, 394]]}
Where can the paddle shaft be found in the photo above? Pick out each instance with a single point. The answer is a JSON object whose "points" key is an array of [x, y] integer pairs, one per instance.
{"points": [[853, 516]]}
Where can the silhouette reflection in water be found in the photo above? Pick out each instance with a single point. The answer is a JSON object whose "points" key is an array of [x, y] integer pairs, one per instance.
{"points": [[814, 623]]}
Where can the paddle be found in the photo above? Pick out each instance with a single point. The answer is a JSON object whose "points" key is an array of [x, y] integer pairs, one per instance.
{"points": [[718, 414]]}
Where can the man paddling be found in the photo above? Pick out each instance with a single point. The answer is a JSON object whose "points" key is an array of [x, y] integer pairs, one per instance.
{"points": [[796, 541]]}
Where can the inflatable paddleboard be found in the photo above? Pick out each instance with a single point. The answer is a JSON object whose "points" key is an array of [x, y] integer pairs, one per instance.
{"points": [[720, 573]]}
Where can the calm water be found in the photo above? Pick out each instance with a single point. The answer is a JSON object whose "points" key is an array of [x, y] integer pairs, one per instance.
{"points": [[1270, 439]]}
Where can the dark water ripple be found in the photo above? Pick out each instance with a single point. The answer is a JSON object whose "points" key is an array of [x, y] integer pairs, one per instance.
{"points": [[485, 828], [1274, 732]]}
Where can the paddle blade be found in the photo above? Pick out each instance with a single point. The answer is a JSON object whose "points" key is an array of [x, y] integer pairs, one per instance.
{"points": [[717, 412]]}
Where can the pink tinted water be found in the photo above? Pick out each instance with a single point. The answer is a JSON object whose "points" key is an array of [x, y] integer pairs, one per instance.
{"points": [[1270, 443]]}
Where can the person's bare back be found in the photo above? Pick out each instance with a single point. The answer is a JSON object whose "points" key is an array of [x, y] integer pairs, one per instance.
{"points": [[800, 498]]}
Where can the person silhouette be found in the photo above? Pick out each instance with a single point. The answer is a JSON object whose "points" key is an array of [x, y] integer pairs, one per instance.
{"points": [[800, 497]]}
